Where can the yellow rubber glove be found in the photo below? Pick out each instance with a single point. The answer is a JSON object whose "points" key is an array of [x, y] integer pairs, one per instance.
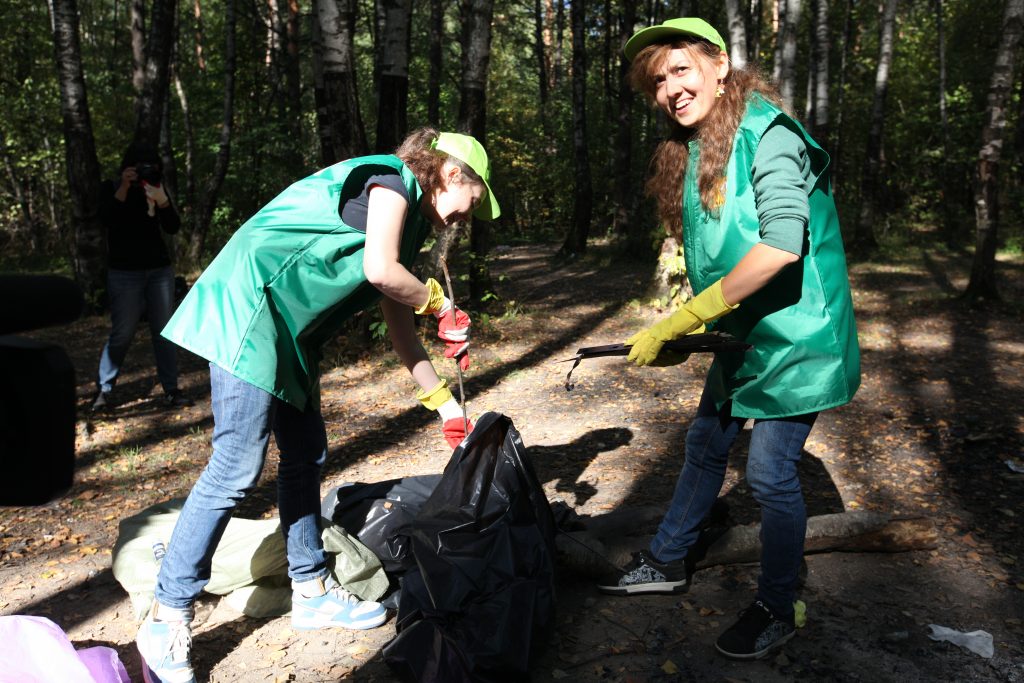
{"points": [[436, 397], [435, 298], [707, 306]]}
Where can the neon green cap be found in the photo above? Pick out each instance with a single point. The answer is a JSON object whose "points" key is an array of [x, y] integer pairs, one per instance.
{"points": [[684, 26], [465, 148]]}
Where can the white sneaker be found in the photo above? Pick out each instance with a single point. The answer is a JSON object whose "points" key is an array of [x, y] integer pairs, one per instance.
{"points": [[165, 643], [322, 603]]}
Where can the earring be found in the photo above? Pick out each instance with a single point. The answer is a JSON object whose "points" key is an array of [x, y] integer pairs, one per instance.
{"points": [[720, 90]]}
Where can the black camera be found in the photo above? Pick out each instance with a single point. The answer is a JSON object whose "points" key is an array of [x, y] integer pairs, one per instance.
{"points": [[148, 172]]}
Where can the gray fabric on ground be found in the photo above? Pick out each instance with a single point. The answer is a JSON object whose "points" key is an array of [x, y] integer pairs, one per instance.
{"points": [[249, 566]]}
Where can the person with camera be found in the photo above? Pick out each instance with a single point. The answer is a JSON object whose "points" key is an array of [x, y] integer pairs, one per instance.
{"points": [[135, 210]]}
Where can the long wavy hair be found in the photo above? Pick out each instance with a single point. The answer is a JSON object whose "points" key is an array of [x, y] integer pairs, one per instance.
{"points": [[427, 163], [716, 132]]}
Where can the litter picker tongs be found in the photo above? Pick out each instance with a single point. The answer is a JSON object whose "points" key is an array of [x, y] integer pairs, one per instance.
{"points": [[704, 342]]}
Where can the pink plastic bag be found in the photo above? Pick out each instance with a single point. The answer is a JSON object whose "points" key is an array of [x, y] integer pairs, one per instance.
{"points": [[36, 650]]}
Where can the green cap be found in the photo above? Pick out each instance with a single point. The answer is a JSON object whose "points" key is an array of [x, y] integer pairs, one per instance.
{"points": [[685, 26], [465, 148]]}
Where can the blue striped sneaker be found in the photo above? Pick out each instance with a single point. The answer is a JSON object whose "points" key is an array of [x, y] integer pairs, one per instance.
{"points": [[322, 603], [165, 643]]}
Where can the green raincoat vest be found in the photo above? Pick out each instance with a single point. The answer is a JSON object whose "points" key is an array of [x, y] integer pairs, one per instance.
{"points": [[287, 280], [805, 356]]}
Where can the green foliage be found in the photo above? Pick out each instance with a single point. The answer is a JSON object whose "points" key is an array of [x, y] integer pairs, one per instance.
{"points": [[378, 330], [530, 144]]}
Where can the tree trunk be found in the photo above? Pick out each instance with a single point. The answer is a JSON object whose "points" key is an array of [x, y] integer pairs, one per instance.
{"points": [[188, 203], [986, 193], [576, 241], [138, 33], [339, 122], [817, 95], [837, 165], [83, 168], [208, 202], [149, 105], [778, 16], [945, 208], [394, 18], [197, 14], [789, 20], [613, 538], [737, 20], [556, 71], [754, 34], [624, 213], [864, 237], [476, 54], [293, 76], [541, 55], [435, 56]]}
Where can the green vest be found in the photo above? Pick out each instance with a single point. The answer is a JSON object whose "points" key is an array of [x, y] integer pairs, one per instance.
{"points": [[288, 279], [805, 356]]}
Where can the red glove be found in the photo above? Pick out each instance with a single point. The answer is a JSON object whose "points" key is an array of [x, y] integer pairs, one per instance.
{"points": [[453, 327], [455, 431]]}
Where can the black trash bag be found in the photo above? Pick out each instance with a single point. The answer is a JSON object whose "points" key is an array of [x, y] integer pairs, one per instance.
{"points": [[378, 513], [480, 601]]}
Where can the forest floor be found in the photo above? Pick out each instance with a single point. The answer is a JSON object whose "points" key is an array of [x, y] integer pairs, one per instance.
{"points": [[930, 433]]}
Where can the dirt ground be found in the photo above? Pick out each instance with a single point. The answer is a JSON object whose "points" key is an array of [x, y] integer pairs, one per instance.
{"points": [[929, 434]]}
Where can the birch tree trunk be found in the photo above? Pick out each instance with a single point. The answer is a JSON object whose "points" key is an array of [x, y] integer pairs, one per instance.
{"points": [[788, 23], [149, 105], [864, 238], [986, 192], [582, 210], [137, 13], [817, 95], [339, 122], [189, 198], [476, 18], [207, 203], [83, 168], [737, 20], [394, 18]]}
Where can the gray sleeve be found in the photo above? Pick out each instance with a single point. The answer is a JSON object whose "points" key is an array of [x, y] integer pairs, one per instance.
{"points": [[780, 176]]}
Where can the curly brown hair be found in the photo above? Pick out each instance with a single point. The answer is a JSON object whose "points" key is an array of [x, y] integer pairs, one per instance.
{"points": [[716, 133], [426, 163]]}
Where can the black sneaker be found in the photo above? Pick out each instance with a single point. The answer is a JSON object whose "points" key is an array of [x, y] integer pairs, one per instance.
{"points": [[755, 633], [646, 575], [177, 399]]}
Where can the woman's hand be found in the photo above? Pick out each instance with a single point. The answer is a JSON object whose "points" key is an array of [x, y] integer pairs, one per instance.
{"points": [[706, 307], [156, 194], [453, 327], [456, 430]]}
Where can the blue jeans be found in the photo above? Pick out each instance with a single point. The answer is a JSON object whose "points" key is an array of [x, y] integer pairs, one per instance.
{"points": [[775, 447], [244, 417], [133, 292]]}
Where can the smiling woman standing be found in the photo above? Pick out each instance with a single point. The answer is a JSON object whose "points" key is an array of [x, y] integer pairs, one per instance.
{"points": [[765, 258], [326, 248]]}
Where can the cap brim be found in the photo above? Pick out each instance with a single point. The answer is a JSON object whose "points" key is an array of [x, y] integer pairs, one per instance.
{"points": [[654, 34], [489, 209]]}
